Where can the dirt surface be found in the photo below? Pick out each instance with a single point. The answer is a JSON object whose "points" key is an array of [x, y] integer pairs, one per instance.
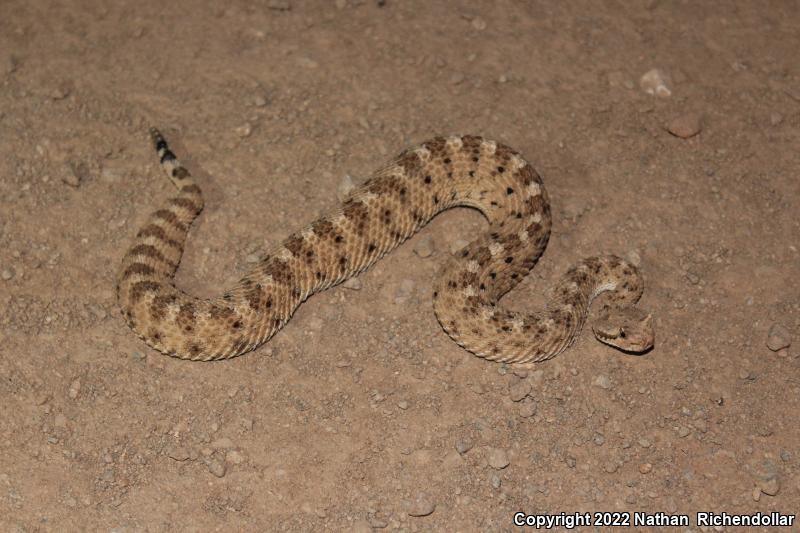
{"points": [[361, 411]]}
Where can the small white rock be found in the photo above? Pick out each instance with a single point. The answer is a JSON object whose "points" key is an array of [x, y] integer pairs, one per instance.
{"points": [[478, 23], [602, 381], [655, 82], [244, 130], [344, 188], [74, 389]]}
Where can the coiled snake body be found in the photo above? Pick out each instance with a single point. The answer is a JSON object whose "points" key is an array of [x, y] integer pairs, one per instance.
{"points": [[375, 218]]}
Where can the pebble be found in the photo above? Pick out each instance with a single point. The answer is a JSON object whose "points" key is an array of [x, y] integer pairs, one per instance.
{"points": [[74, 389], [425, 247], [496, 481], [234, 457], [602, 381], [655, 82], [422, 505], [7, 274], [644, 443], [478, 23], [634, 258], [345, 186], [402, 404], [456, 78], [178, 453], [75, 174], [610, 467], [216, 467], [452, 460], [685, 126], [59, 93], [457, 245], [683, 431], [354, 284], [464, 445], [770, 487], [778, 337], [527, 408], [244, 130], [498, 458], [404, 291], [645, 468], [519, 390]]}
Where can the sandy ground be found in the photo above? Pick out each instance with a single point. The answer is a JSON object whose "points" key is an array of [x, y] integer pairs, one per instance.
{"points": [[362, 412]]}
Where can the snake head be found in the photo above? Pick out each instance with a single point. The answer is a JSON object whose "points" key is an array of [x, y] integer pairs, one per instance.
{"points": [[628, 329]]}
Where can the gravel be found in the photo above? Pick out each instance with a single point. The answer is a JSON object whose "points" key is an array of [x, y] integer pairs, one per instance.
{"points": [[770, 487], [216, 467], [685, 126], [463, 445], [498, 458], [527, 408], [602, 381], [519, 390], [74, 389], [404, 291], [425, 247], [778, 337], [422, 505]]}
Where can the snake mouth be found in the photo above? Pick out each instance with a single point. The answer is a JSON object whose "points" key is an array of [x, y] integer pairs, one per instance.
{"points": [[630, 348]]}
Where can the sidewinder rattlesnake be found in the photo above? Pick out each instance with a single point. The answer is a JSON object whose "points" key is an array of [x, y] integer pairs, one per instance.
{"points": [[374, 219]]}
